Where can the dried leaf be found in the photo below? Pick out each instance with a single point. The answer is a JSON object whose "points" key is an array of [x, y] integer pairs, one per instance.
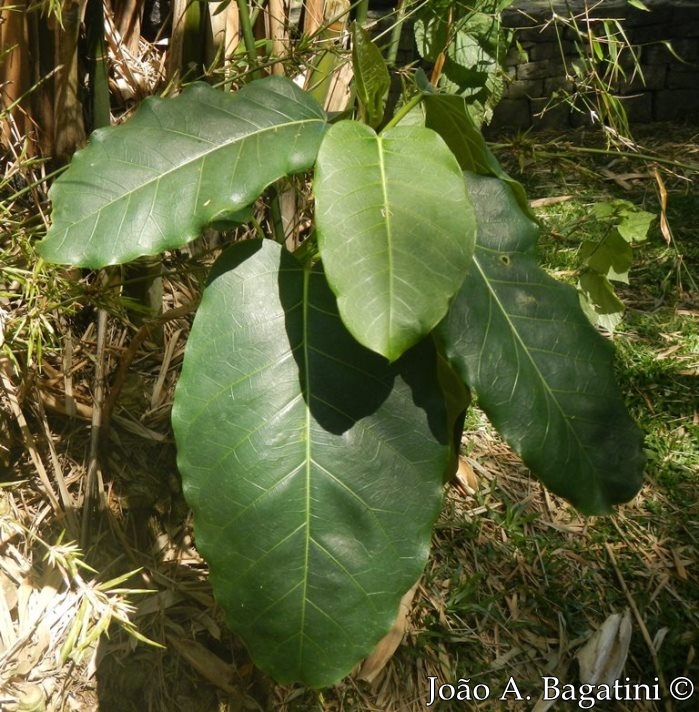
{"points": [[8, 600], [466, 476], [376, 662], [547, 202], [208, 665], [660, 638], [664, 224], [603, 657], [31, 653], [31, 698]]}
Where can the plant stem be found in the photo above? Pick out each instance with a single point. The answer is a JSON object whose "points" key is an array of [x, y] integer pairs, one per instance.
{"points": [[362, 12], [94, 21], [396, 30], [403, 111], [248, 36], [275, 214]]}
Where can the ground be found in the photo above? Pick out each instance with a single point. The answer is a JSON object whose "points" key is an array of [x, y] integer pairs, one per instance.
{"points": [[517, 582]]}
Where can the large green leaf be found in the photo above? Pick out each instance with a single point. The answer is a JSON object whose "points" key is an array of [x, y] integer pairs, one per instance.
{"points": [[313, 467], [154, 182], [449, 116], [541, 372], [395, 230]]}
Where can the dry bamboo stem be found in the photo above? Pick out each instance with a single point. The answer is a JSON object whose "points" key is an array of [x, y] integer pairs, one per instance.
{"points": [[27, 436], [93, 482], [277, 11], [314, 16]]}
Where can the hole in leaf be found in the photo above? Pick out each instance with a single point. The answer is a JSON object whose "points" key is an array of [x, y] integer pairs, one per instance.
{"points": [[505, 259]]}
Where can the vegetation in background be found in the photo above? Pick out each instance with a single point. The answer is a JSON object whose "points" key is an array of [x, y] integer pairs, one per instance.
{"points": [[606, 60], [465, 45], [516, 582]]}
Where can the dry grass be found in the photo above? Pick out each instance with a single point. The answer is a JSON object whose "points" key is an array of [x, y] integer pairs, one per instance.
{"points": [[516, 584]]}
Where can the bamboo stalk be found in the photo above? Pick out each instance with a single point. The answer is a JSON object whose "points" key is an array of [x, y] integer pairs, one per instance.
{"points": [[97, 59], [396, 30], [362, 11], [176, 42], [232, 29], [277, 12], [248, 34], [321, 79], [215, 55], [94, 485], [43, 40], [223, 39], [14, 68], [127, 18], [68, 115], [313, 18], [186, 48]]}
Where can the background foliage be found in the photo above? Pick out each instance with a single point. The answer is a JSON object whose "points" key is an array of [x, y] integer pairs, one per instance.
{"points": [[657, 345]]}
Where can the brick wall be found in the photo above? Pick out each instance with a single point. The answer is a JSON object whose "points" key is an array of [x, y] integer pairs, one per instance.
{"points": [[537, 68]]}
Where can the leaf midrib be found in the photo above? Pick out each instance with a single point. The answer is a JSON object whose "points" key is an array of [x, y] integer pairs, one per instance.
{"points": [[386, 215], [185, 164], [523, 347], [307, 425]]}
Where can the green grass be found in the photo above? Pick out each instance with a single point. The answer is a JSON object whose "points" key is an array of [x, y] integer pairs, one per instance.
{"points": [[657, 343], [517, 581]]}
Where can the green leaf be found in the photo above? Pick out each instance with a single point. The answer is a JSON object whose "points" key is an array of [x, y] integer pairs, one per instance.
{"points": [[395, 230], [631, 221], [466, 64], [371, 78], [597, 47], [541, 372], [313, 467], [599, 301], [639, 5], [431, 36], [156, 181], [449, 117], [473, 45], [612, 257], [634, 224]]}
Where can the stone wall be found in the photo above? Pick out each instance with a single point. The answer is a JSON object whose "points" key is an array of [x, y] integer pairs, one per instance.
{"points": [[542, 63]]}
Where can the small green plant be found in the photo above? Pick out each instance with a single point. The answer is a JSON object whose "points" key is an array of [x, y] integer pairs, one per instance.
{"points": [[321, 391], [466, 45], [29, 288], [610, 258], [605, 60], [600, 240]]}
